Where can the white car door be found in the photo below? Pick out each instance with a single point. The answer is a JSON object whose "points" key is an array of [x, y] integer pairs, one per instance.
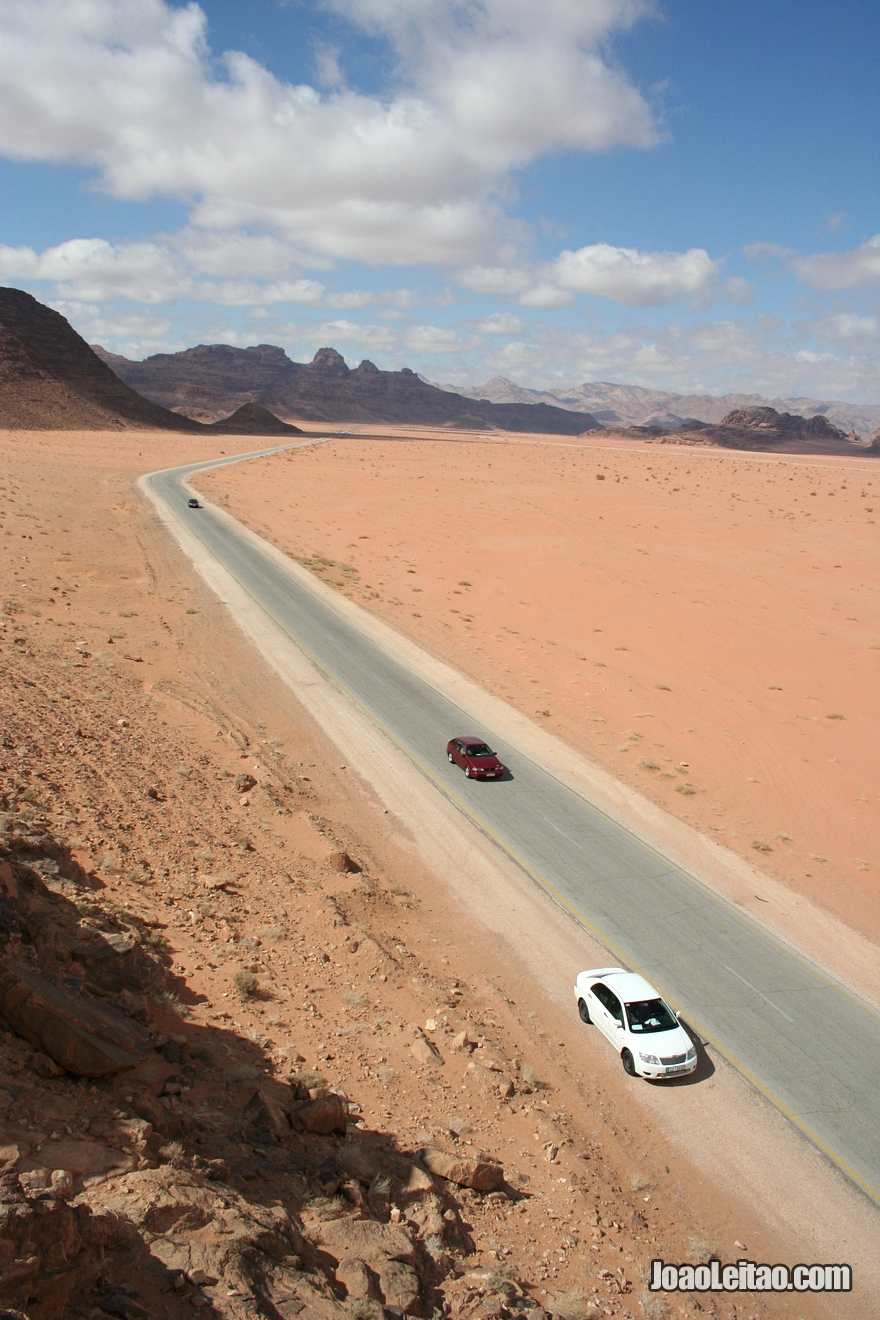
{"points": [[600, 996]]}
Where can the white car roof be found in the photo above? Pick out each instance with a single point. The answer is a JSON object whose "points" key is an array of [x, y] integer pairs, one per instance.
{"points": [[629, 986]]}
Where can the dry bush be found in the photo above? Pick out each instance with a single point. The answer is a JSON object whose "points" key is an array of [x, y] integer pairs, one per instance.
{"points": [[245, 983]]}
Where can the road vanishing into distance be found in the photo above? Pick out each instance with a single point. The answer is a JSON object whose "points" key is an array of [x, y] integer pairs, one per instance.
{"points": [[805, 1041]]}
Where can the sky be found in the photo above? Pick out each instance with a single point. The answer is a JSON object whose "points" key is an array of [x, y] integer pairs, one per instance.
{"points": [[664, 193]]}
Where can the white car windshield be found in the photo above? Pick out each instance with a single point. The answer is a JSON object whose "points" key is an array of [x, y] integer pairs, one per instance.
{"points": [[648, 1015]]}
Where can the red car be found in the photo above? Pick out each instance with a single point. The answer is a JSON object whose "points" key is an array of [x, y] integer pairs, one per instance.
{"points": [[475, 757]]}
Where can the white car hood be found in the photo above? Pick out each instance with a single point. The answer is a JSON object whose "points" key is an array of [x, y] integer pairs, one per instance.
{"points": [[664, 1043]]}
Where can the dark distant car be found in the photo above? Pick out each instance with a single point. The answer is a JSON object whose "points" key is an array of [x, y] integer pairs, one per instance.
{"points": [[475, 757], [193, 503]]}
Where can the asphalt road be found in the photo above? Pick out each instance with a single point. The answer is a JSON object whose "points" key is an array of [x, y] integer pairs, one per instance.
{"points": [[804, 1040]]}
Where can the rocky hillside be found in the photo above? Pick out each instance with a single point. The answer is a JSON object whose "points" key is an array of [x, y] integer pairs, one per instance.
{"points": [[51, 380], [213, 379]]}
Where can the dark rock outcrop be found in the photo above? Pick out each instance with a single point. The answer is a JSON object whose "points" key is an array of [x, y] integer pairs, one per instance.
{"points": [[213, 379], [788, 425], [758, 428], [83, 1036], [252, 419]]}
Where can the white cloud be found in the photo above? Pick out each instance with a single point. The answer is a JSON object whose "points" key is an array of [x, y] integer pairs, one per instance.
{"points": [[130, 88], [623, 275], [173, 268], [828, 272], [546, 294], [846, 329], [640, 279]]}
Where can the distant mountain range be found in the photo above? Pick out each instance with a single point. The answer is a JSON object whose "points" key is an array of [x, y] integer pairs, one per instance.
{"points": [[211, 380], [630, 405]]}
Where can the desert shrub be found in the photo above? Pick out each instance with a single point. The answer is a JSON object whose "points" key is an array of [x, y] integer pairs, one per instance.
{"points": [[245, 983], [308, 1079]]}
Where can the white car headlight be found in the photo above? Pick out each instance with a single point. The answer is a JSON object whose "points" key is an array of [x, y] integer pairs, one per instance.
{"points": [[690, 1056], [649, 1058]]}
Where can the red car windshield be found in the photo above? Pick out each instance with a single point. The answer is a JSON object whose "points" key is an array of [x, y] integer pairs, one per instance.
{"points": [[478, 749]]}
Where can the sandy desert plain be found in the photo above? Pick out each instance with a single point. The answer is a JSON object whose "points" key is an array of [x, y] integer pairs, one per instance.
{"points": [[692, 620]]}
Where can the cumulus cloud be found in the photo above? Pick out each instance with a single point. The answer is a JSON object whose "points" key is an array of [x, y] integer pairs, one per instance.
{"points": [[827, 272], [131, 89], [174, 268], [623, 275], [640, 279]]}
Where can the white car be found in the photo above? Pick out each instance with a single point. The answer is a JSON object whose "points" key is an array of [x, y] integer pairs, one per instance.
{"points": [[641, 1026]]}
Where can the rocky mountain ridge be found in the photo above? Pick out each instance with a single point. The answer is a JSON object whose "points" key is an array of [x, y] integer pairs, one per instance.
{"points": [[631, 405], [756, 429], [211, 380]]}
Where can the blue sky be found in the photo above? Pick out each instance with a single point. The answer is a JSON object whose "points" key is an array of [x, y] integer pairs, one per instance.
{"points": [[671, 194]]}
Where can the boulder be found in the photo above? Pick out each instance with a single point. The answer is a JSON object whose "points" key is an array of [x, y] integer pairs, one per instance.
{"points": [[478, 1174], [83, 1036], [264, 1120], [323, 1116], [247, 1249], [244, 783], [360, 1285], [424, 1051], [340, 861], [400, 1286]]}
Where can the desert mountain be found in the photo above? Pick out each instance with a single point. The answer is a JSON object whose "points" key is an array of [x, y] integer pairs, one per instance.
{"points": [[630, 405], [213, 379], [51, 380], [757, 429]]}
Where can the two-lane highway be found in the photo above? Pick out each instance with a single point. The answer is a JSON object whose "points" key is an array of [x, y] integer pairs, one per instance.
{"points": [[809, 1044]]}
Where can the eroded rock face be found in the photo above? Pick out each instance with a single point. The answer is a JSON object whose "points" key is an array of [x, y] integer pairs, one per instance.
{"points": [[366, 1240], [83, 1036], [52, 1254], [218, 1242]]}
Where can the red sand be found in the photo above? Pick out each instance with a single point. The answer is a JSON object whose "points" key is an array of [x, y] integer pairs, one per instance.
{"points": [[706, 625]]}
